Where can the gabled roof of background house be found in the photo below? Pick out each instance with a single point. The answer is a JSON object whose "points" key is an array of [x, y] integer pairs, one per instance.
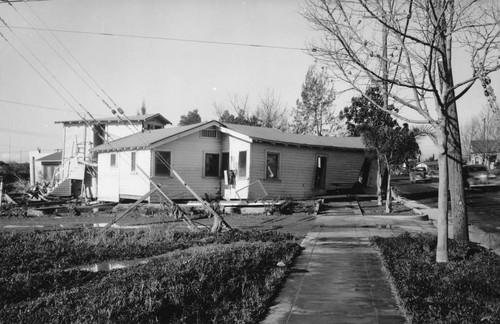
{"points": [[151, 139], [53, 157], [485, 146], [116, 120]]}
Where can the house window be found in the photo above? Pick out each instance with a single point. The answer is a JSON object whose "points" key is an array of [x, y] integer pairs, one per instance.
{"points": [[211, 165], [272, 165], [210, 133], [132, 161], [242, 164], [112, 160], [162, 164]]}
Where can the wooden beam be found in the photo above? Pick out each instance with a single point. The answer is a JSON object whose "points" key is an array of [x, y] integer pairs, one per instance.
{"points": [[129, 209]]}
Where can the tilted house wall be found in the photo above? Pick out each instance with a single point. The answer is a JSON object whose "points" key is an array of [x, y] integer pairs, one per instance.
{"points": [[205, 155], [297, 167]]}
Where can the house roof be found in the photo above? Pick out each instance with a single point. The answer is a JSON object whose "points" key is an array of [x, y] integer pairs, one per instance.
{"points": [[117, 120], [153, 138], [53, 157], [485, 146], [274, 136]]}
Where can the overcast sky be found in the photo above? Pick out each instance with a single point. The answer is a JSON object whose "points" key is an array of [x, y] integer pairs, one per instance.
{"points": [[175, 56]]}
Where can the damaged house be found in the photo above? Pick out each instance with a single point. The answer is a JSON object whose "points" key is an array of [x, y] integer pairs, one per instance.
{"points": [[77, 173], [236, 161]]}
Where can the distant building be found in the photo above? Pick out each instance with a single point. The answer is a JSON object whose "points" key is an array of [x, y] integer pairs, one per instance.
{"points": [[43, 165], [485, 152]]}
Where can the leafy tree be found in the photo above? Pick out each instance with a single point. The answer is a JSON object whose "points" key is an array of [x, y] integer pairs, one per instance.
{"points": [[313, 114], [407, 47], [363, 116], [394, 145], [192, 117]]}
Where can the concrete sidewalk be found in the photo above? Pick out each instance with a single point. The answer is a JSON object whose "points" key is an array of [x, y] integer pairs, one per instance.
{"points": [[339, 278]]}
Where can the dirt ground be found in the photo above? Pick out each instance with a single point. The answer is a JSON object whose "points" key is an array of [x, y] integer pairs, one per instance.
{"points": [[298, 224], [370, 207]]}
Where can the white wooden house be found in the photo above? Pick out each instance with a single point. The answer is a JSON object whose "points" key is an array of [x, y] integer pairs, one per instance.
{"points": [[43, 165], [78, 165], [238, 161]]}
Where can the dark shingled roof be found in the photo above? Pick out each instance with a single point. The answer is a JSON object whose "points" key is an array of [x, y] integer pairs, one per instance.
{"points": [[53, 157], [273, 135], [151, 138]]}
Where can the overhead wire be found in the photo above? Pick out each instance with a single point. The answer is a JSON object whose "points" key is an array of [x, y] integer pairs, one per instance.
{"points": [[157, 155], [186, 40], [109, 136]]}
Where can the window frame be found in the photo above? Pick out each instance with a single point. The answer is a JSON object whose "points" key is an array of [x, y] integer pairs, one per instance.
{"points": [[242, 174], [133, 162], [157, 161], [278, 166], [205, 169], [208, 133], [112, 160]]}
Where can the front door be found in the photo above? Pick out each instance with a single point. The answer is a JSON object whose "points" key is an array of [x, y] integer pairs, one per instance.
{"points": [[320, 173]]}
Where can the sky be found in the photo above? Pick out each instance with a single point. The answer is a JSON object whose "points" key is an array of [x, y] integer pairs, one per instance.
{"points": [[172, 55]]}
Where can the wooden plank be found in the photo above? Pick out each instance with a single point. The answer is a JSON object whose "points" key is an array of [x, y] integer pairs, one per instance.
{"points": [[129, 209]]}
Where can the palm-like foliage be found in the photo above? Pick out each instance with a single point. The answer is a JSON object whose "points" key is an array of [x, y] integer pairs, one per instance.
{"points": [[394, 146]]}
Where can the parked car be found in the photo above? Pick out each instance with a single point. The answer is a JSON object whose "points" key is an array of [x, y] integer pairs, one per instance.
{"points": [[419, 174], [477, 175]]}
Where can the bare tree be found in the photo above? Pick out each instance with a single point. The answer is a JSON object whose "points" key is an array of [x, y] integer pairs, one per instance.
{"points": [[482, 135], [272, 111], [235, 104], [406, 47]]}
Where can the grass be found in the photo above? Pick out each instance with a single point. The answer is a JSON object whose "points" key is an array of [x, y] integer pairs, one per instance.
{"points": [[231, 282], [464, 290]]}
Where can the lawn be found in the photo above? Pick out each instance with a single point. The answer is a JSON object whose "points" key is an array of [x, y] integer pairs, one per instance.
{"points": [[229, 277]]}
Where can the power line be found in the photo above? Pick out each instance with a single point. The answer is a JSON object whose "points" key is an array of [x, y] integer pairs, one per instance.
{"points": [[41, 106], [185, 40], [34, 106], [14, 131]]}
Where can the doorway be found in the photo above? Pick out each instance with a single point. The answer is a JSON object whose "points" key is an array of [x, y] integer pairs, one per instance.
{"points": [[320, 173]]}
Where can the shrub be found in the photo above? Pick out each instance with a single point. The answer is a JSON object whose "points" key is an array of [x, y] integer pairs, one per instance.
{"points": [[464, 290]]}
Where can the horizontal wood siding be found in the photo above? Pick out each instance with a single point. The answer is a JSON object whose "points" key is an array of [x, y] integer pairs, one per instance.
{"points": [[117, 131], [108, 179], [297, 168], [187, 158], [344, 167]]}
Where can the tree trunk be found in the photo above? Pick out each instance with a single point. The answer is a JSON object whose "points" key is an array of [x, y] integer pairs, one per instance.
{"points": [[388, 195], [379, 182], [456, 183], [457, 193], [442, 237]]}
